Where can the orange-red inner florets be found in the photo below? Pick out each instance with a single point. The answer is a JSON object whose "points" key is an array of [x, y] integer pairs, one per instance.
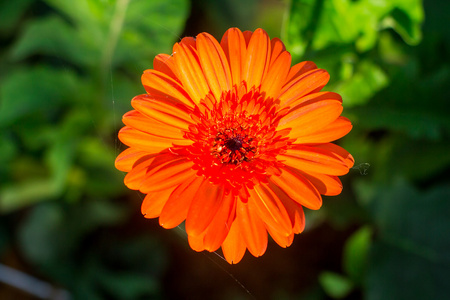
{"points": [[235, 139], [234, 146]]}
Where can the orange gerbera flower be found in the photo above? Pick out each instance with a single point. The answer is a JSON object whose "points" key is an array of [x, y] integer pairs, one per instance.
{"points": [[233, 140]]}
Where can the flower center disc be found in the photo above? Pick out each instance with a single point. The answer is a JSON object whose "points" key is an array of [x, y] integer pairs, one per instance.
{"points": [[234, 143], [235, 139]]}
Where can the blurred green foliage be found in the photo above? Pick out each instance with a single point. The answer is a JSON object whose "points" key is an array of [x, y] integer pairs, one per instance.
{"points": [[393, 74], [68, 70]]}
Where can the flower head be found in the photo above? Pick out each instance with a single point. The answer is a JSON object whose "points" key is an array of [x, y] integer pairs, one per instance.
{"points": [[234, 141]]}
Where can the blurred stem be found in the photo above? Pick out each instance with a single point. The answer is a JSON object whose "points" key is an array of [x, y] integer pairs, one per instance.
{"points": [[115, 28], [31, 285]]}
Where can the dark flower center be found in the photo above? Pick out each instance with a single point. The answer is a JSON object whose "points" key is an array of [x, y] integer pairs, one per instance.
{"points": [[234, 143], [233, 146], [235, 139]]}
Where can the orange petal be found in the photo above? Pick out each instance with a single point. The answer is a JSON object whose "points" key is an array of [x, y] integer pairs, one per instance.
{"points": [[153, 203], [189, 41], [149, 125], [167, 175], [197, 242], [308, 118], [257, 59], [176, 208], [220, 226], [163, 111], [339, 153], [294, 209], [276, 75], [299, 69], [247, 36], [233, 247], [280, 238], [204, 207], [298, 188], [270, 209], [164, 64], [252, 229], [234, 46], [314, 159], [125, 161], [160, 84], [309, 82], [277, 49], [326, 184], [214, 64], [331, 132], [143, 141], [137, 174], [315, 97], [189, 72]]}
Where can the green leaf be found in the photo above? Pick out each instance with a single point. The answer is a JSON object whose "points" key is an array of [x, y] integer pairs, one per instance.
{"points": [[10, 12], [124, 31], [406, 18], [433, 155], [335, 285], [402, 106], [61, 153], [325, 23], [22, 194], [301, 22], [50, 234], [356, 252], [40, 91], [54, 37], [8, 151], [97, 159], [40, 236], [365, 82], [150, 28], [409, 258]]}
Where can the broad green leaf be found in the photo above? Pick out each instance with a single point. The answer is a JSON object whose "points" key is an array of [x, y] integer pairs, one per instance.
{"points": [[406, 18], [51, 233], [396, 274], [398, 156], [321, 24], [355, 254], [414, 103], [403, 160], [363, 84], [335, 285], [301, 22], [336, 24], [61, 152], [54, 37], [125, 31], [22, 194], [150, 28], [38, 90], [409, 258], [10, 12], [40, 238], [8, 151], [97, 160]]}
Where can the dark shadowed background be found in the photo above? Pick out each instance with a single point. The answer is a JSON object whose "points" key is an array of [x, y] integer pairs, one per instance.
{"points": [[68, 70]]}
